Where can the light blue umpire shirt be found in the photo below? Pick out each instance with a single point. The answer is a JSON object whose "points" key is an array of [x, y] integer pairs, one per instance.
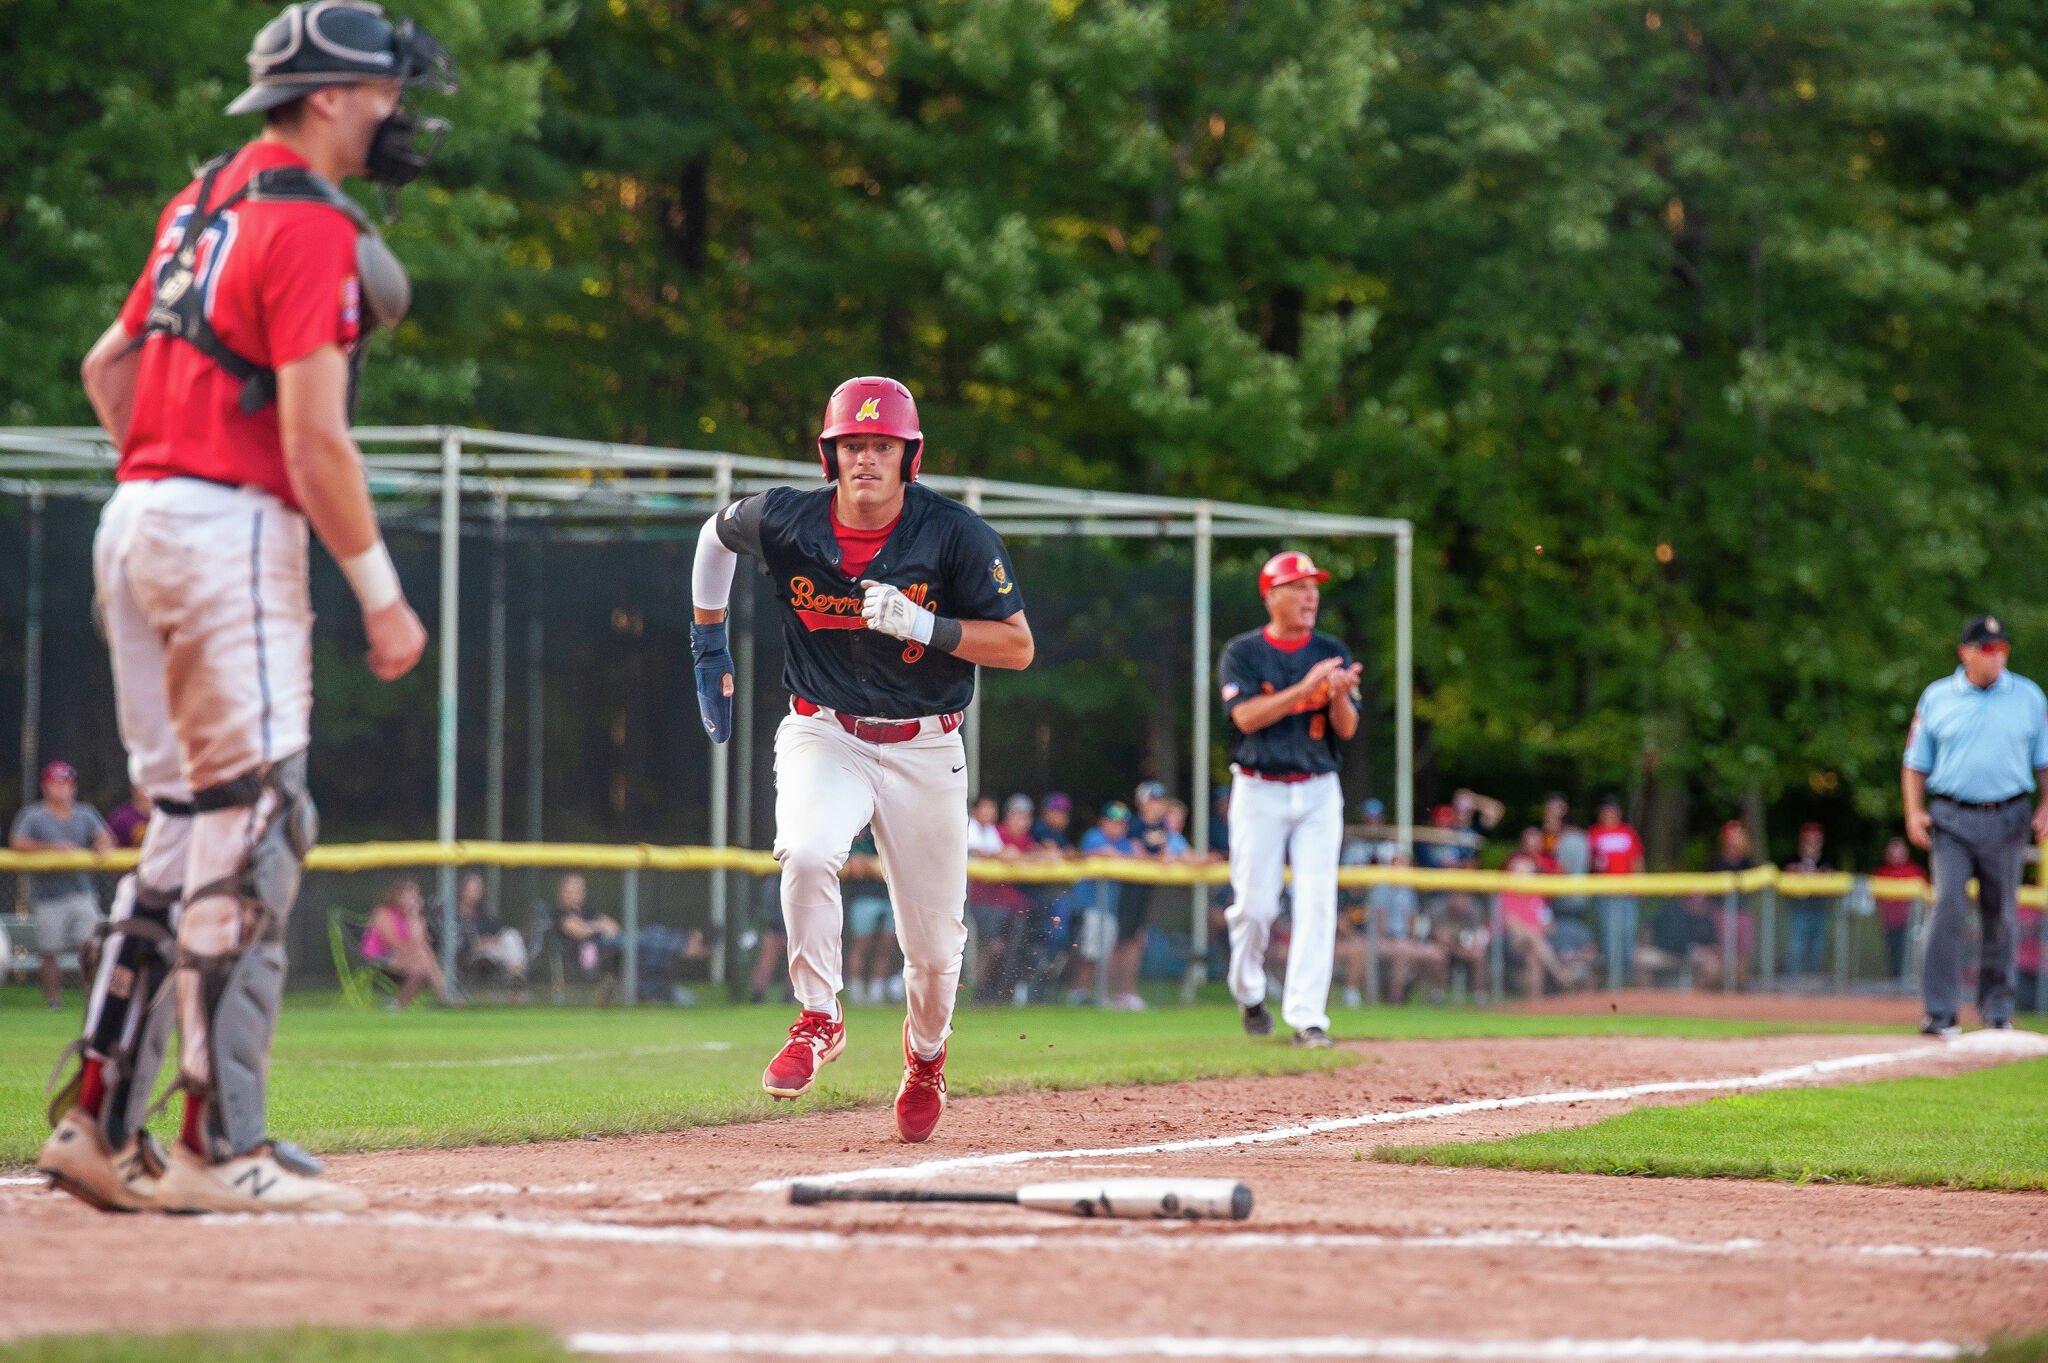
{"points": [[1977, 744]]}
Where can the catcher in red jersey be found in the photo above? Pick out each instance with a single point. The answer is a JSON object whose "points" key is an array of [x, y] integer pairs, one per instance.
{"points": [[227, 381], [890, 596]]}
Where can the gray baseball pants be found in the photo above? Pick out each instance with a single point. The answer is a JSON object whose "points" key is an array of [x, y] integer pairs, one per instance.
{"points": [[1985, 843]]}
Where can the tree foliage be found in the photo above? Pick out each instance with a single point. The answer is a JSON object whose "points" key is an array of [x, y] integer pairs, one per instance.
{"points": [[1701, 340]]}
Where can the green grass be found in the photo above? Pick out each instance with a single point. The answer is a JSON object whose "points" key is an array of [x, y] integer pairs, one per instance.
{"points": [[302, 1344], [359, 1081], [1985, 1129]]}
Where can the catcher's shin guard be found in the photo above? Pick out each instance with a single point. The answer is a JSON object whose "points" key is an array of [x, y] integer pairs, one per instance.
{"points": [[135, 955], [231, 958]]}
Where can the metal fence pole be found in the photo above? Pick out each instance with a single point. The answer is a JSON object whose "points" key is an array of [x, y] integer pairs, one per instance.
{"points": [[1198, 755], [32, 656], [494, 763], [629, 915], [536, 717], [451, 608], [1731, 937], [1767, 939], [1404, 691], [1497, 946], [721, 772], [1842, 944]]}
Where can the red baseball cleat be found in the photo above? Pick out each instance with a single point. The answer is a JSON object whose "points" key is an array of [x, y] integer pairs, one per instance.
{"points": [[922, 1099], [814, 1042]]}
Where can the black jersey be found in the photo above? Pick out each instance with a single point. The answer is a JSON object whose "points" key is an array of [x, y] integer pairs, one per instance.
{"points": [[941, 555], [1253, 665]]}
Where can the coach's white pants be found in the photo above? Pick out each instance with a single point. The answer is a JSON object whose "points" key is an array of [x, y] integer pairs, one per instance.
{"points": [[1275, 825], [209, 622], [828, 786]]}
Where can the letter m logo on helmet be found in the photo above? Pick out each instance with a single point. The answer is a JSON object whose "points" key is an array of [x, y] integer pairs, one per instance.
{"points": [[871, 406]]}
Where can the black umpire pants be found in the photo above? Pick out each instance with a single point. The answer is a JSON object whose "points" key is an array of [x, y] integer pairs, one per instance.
{"points": [[1972, 840]]}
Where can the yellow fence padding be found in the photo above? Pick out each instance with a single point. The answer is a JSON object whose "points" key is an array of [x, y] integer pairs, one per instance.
{"points": [[599, 856]]}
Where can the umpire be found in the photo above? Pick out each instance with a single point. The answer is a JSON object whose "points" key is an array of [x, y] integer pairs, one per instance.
{"points": [[1977, 750]]}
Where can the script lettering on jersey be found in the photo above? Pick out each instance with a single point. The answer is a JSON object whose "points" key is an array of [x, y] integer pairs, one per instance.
{"points": [[214, 245], [819, 610]]}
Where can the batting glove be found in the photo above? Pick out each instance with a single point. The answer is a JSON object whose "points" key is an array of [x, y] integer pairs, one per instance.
{"points": [[714, 679], [889, 611]]}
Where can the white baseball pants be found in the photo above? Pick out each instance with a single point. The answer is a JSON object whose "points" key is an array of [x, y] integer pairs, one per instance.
{"points": [[828, 786], [1275, 825], [209, 620]]}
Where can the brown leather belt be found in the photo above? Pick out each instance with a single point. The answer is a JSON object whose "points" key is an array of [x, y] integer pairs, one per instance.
{"points": [[875, 730]]}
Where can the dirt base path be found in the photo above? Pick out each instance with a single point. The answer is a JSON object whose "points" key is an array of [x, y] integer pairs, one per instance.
{"points": [[684, 1245]]}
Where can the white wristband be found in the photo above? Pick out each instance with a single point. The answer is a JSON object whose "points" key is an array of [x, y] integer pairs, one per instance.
{"points": [[373, 578], [921, 624]]}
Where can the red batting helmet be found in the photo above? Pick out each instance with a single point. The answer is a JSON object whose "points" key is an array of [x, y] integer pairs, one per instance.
{"points": [[877, 406], [1290, 566]]}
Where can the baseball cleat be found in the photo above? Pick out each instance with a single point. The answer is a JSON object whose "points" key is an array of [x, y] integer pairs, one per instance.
{"points": [[1312, 1039], [1257, 1021], [254, 1182], [1941, 1024], [921, 1100], [77, 1160], [814, 1042], [2000, 1024]]}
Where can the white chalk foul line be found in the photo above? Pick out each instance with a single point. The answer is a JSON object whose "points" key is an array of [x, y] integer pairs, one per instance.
{"points": [[1559, 1349], [1133, 1238], [2015, 1043]]}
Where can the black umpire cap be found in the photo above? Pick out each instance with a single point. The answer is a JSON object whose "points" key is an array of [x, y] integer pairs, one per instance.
{"points": [[318, 43], [1982, 630]]}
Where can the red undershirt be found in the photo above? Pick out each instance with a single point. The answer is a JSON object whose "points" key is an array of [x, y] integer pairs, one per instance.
{"points": [[857, 548], [1286, 645]]}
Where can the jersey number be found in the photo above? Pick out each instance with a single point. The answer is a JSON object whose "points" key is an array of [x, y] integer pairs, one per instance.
{"points": [[214, 245]]}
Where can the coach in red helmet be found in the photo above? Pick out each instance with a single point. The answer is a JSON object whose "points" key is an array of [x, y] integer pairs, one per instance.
{"points": [[227, 381], [890, 596]]}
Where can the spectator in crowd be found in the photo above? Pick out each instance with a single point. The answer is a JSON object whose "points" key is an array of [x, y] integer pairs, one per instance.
{"points": [[1897, 914], [1101, 929], [1572, 850], [1352, 951], [486, 939], [1049, 831], [994, 905], [594, 937], [129, 820], [1374, 843], [396, 941], [1683, 941], [1404, 940], [62, 903], [1178, 848], [1731, 852], [2027, 980], [1219, 823], [771, 959], [1220, 896], [1134, 901], [1807, 916], [1617, 851], [1475, 815], [1526, 918], [1444, 848], [870, 927], [1460, 928]]}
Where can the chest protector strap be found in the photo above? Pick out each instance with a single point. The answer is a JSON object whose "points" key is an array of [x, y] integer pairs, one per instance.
{"points": [[179, 308]]}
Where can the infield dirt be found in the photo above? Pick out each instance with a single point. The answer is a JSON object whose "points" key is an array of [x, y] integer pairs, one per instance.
{"points": [[669, 1233]]}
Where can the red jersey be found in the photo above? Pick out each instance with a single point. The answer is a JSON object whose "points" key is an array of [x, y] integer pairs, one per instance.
{"points": [[279, 282], [1896, 913], [1617, 851]]}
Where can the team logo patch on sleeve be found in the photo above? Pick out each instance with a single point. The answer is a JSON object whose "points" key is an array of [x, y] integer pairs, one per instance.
{"points": [[1230, 691], [871, 410], [351, 301], [1000, 577]]}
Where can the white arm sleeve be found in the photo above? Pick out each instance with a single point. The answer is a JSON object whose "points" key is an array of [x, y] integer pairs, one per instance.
{"points": [[711, 575]]}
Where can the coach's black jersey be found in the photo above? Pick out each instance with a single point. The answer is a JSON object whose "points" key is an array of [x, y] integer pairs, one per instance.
{"points": [[1253, 665], [940, 555]]}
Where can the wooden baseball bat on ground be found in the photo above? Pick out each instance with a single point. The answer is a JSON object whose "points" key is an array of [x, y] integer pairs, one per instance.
{"points": [[1204, 1199]]}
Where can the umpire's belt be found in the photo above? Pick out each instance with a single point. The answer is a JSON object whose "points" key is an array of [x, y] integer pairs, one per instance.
{"points": [[876, 730], [1985, 805]]}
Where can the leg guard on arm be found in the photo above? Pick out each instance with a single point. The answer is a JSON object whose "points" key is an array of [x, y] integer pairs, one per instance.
{"points": [[231, 959]]}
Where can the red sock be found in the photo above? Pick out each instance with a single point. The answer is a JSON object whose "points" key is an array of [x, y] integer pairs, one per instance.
{"points": [[92, 1089], [190, 1136]]}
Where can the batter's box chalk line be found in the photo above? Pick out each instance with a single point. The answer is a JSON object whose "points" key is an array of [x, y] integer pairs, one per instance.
{"points": [[2012, 1043], [1552, 1350]]}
